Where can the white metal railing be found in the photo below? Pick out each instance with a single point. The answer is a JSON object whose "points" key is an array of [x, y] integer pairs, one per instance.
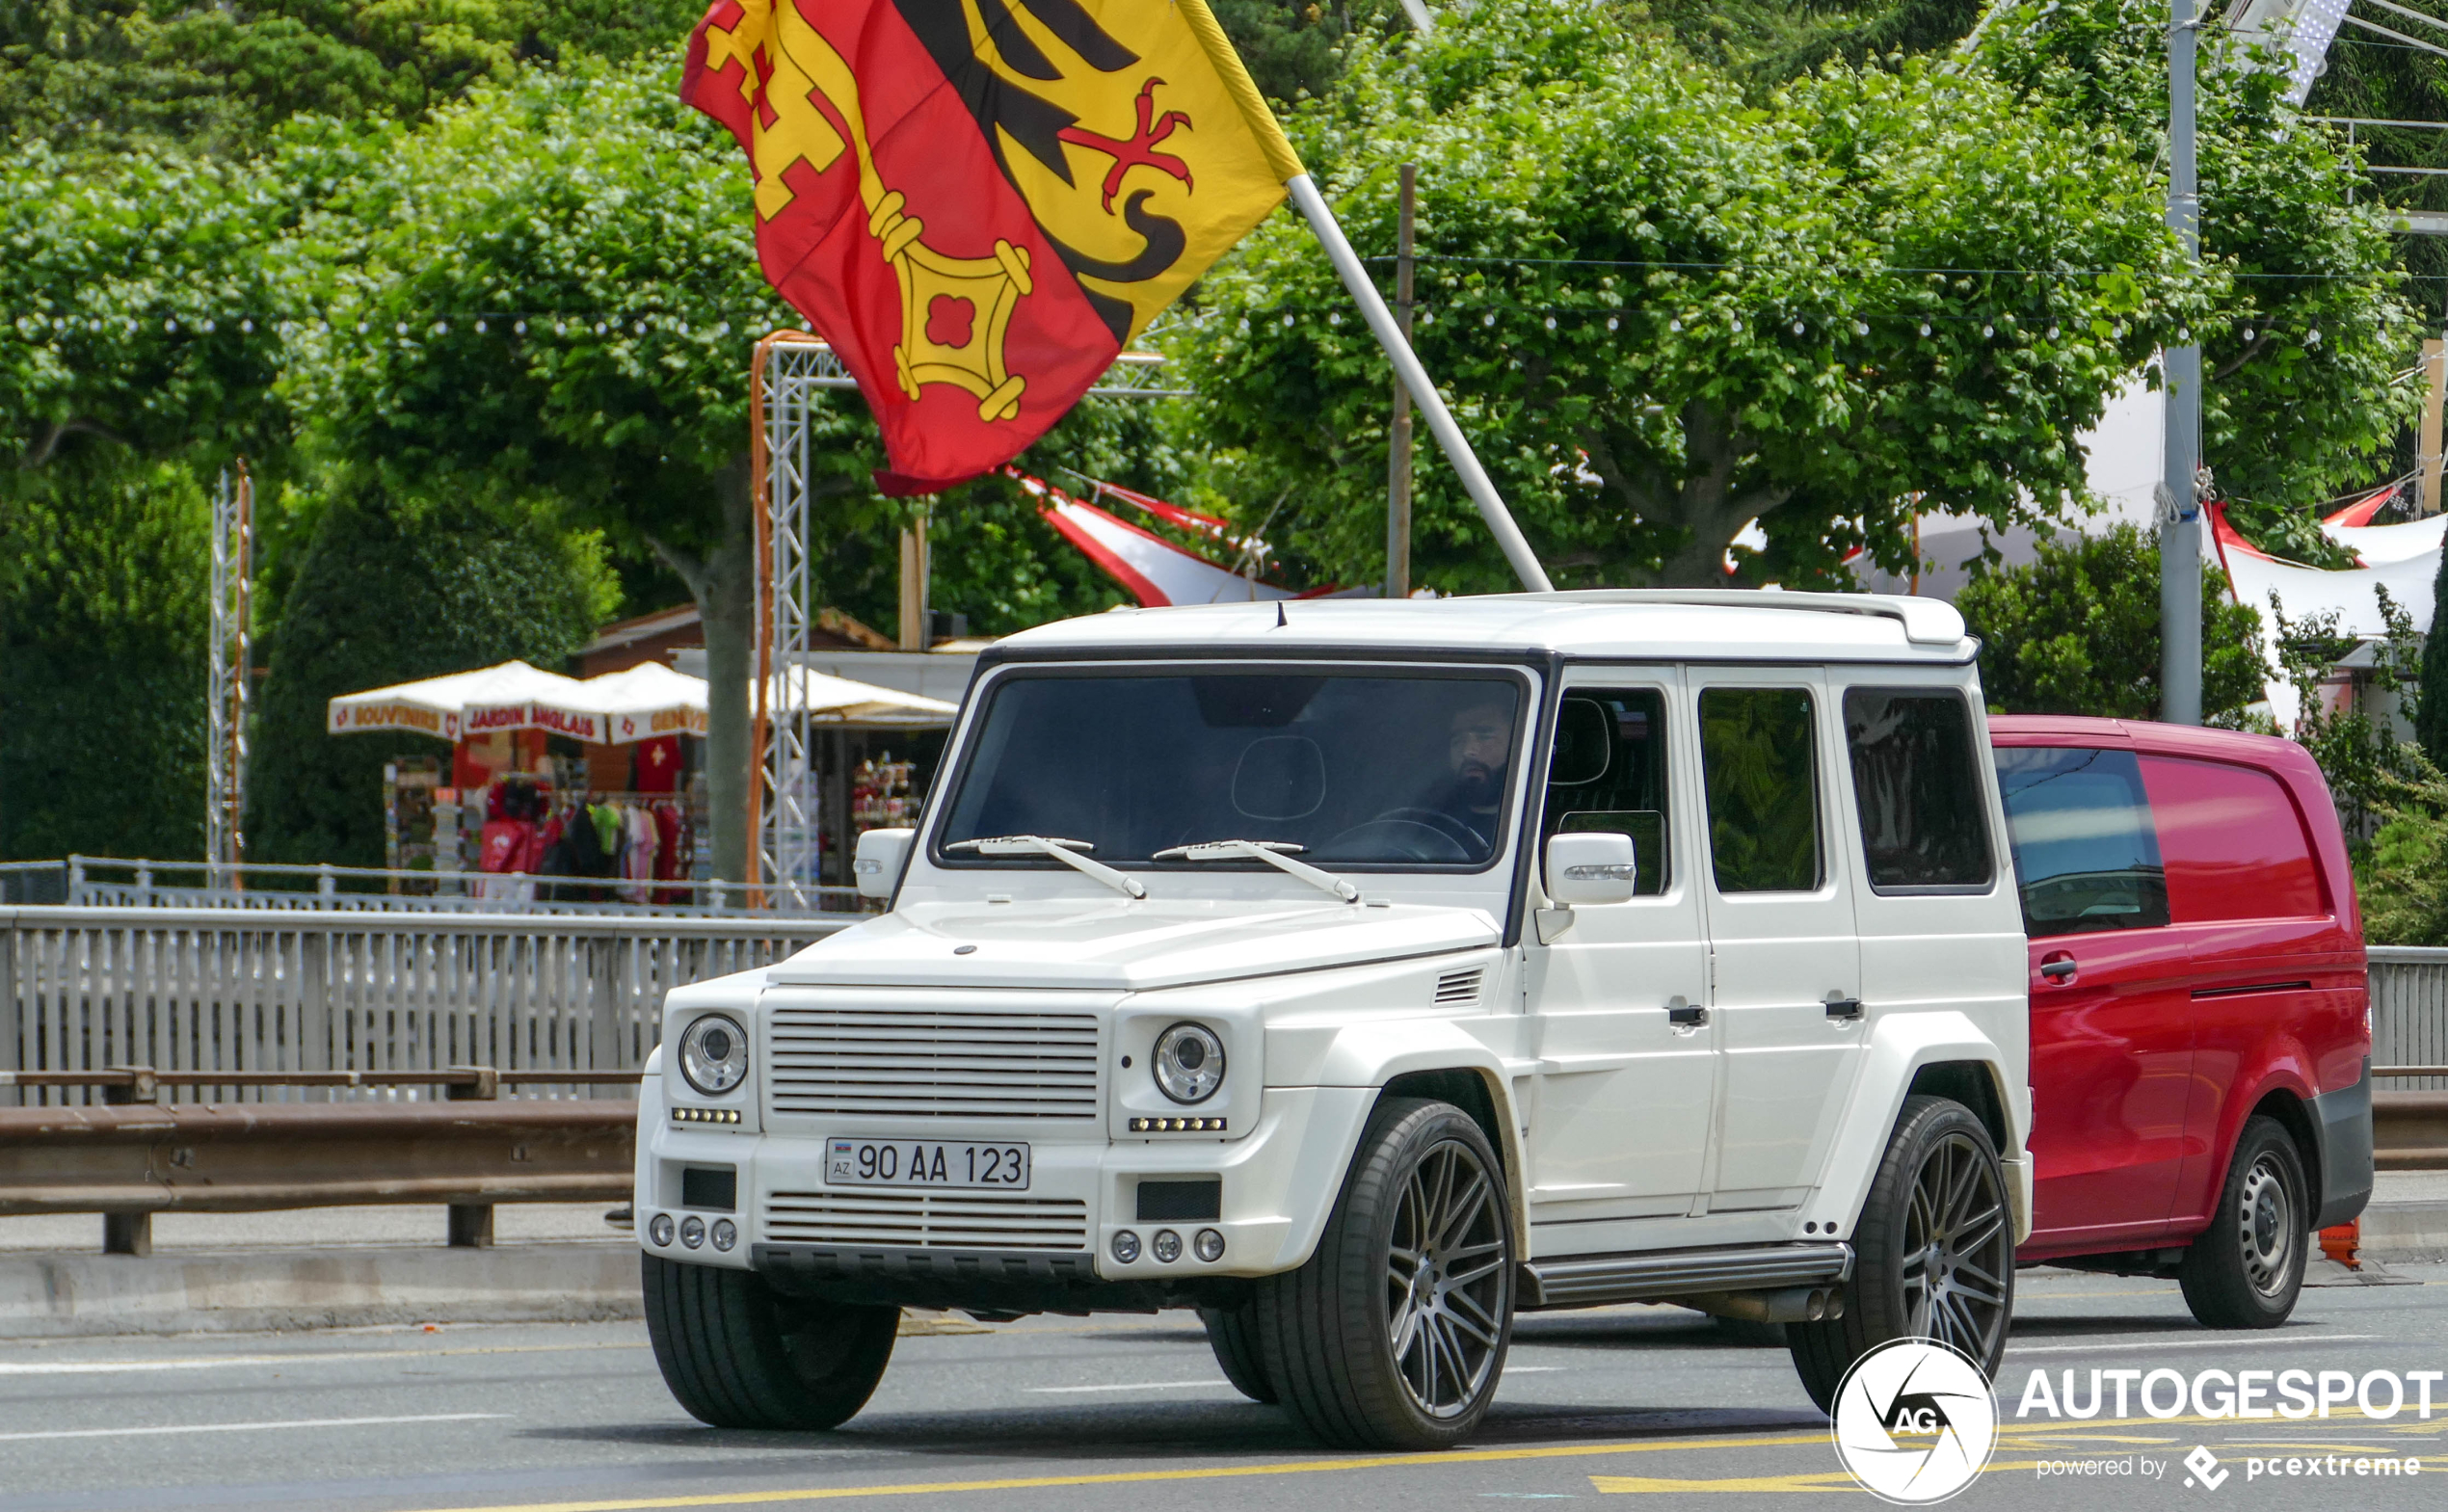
{"points": [[2409, 1013], [87, 989], [113, 882]]}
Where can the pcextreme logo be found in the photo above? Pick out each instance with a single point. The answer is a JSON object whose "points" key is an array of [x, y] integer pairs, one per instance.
{"points": [[1914, 1422]]}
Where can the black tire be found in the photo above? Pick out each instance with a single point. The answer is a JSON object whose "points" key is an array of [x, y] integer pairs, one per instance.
{"points": [[1232, 1334], [1938, 1204], [738, 1354], [1356, 1340], [2247, 1268]]}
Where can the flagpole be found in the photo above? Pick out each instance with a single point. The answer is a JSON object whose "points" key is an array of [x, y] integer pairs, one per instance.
{"points": [[1414, 378]]}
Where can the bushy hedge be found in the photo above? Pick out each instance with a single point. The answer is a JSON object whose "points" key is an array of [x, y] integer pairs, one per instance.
{"points": [[390, 590]]}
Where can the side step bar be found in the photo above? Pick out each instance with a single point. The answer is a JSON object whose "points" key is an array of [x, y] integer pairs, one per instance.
{"points": [[1587, 1281]]}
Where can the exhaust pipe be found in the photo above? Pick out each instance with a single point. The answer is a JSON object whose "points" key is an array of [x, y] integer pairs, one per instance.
{"points": [[1786, 1305]]}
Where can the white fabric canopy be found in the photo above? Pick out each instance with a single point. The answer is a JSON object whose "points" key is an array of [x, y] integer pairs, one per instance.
{"points": [[840, 701], [640, 702], [458, 705], [2402, 559], [647, 701]]}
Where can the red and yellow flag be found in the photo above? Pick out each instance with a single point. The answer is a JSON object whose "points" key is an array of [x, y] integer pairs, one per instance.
{"points": [[981, 203]]}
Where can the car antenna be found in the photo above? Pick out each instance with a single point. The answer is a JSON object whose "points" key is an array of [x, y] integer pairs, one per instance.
{"points": [[1280, 621]]}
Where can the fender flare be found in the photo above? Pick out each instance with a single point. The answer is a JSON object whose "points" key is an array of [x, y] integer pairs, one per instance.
{"points": [[1374, 1052], [1899, 1046]]}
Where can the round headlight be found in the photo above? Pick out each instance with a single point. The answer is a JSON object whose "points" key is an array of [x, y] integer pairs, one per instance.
{"points": [[714, 1054], [1189, 1062]]}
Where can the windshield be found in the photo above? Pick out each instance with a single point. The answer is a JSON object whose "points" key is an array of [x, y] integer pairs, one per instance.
{"points": [[1355, 769]]}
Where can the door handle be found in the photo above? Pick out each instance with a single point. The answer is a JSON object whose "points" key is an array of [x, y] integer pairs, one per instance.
{"points": [[2059, 967], [1684, 1016], [1843, 1007]]}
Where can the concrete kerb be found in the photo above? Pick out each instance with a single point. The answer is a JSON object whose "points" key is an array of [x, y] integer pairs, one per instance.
{"points": [[53, 1295]]}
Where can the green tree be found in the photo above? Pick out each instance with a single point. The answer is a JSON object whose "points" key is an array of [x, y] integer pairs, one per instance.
{"points": [[391, 590], [141, 306], [1661, 313], [104, 76], [2301, 397], [553, 287], [2077, 633], [102, 631]]}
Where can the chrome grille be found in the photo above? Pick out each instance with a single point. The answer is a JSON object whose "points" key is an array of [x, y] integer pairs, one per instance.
{"points": [[928, 1220], [933, 1063], [1460, 986]]}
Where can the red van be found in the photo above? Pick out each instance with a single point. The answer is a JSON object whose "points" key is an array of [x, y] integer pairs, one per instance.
{"points": [[2201, 1025]]}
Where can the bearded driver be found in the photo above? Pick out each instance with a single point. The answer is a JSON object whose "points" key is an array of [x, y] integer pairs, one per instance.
{"points": [[1477, 754]]}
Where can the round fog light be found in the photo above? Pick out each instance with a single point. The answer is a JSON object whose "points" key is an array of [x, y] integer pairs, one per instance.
{"points": [[660, 1228], [1126, 1246], [1210, 1245], [1167, 1246], [692, 1232], [727, 1234]]}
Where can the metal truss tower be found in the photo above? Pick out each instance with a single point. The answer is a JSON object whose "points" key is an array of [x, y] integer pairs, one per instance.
{"points": [[233, 530], [787, 375], [790, 370]]}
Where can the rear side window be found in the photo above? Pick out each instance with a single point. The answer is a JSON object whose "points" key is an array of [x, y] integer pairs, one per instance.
{"points": [[2233, 843], [1923, 825], [2086, 856], [1761, 768], [1609, 774]]}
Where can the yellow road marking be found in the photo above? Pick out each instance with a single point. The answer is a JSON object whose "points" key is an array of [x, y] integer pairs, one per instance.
{"points": [[1145, 1477], [1814, 1480]]}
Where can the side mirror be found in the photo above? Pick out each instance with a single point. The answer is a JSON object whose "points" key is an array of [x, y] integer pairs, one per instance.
{"points": [[882, 854], [1590, 868]]}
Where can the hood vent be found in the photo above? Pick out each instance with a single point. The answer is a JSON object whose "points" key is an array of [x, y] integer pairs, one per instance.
{"points": [[1460, 986]]}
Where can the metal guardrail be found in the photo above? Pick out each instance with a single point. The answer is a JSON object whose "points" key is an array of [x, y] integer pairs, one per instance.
{"points": [[131, 1161], [266, 1006], [73, 881], [2409, 1012]]}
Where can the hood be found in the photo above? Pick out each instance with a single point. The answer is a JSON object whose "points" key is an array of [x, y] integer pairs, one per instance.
{"points": [[1124, 945]]}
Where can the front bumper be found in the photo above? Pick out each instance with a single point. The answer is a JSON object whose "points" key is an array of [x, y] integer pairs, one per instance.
{"points": [[938, 1246]]}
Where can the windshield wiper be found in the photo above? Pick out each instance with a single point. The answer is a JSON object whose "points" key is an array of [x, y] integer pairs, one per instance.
{"points": [[1273, 852], [1061, 850]]}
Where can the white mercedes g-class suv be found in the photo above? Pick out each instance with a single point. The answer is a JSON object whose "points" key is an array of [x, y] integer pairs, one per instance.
{"points": [[1363, 973]]}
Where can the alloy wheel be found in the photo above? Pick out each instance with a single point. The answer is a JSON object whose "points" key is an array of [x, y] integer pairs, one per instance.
{"points": [[1447, 1272], [2265, 1226], [1958, 1249]]}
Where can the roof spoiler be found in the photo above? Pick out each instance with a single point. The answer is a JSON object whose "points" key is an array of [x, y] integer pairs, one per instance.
{"points": [[1926, 622]]}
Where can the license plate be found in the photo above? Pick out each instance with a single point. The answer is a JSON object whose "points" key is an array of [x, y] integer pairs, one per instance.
{"points": [[925, 1162]]}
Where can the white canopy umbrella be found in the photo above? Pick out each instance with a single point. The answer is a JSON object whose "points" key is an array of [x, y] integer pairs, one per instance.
{"points": [[647, 701], [828, 700], [639, 703], [462, 704]]}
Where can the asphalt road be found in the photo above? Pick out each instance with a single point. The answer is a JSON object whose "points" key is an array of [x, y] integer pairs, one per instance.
{"points": [[1075, 1415]]}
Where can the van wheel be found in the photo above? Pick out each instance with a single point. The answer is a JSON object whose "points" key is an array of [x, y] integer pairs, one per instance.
{"points": [[2247, 1268], [1232, 1334], [738, 1354], [1393, 1337], [1934, 1255]]}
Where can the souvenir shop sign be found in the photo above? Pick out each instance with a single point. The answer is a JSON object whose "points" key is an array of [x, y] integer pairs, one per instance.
{"points": [[443, 723]]}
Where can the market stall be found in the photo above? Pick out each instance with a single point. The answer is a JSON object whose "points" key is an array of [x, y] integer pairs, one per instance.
{"points": [[593, 790]]}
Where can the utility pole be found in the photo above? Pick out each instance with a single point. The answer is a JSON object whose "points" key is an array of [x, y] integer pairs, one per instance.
{"points": [[1398, 445], [234, 533], [914, 585], [2179, 502]]}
